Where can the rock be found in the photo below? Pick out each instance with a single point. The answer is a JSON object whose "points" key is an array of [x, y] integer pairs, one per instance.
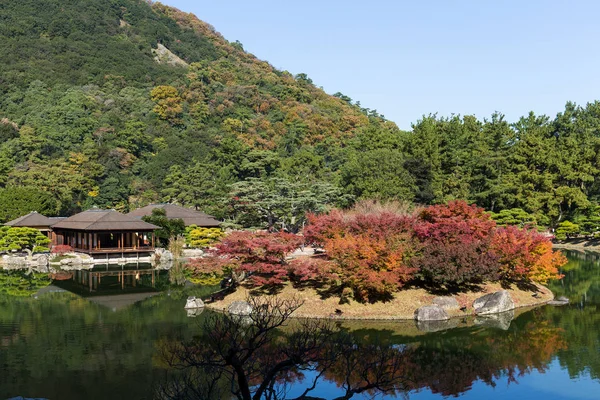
{"points": [[561, 301], [431, 313], [166, 256], [446, 302], [194, 302], [493, 303], [436, 326], [498, 321], [194, 312], [240, 308], [42, 260], [192, 253]]}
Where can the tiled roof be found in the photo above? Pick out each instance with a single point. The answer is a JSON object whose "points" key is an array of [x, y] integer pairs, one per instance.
{"points": [[103, 220], [33, 219]]}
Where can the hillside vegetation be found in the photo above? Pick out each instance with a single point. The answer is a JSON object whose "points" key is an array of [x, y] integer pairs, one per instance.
{"points": [[90, 117]]}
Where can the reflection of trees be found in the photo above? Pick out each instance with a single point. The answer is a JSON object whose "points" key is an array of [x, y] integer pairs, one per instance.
{"points": [[51, 339], [256, 356], [359, 362], [450, 364], [580, 320], [22, 282]]}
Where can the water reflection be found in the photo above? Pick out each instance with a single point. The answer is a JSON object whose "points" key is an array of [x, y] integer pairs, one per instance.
{"points": [[64, 346]]}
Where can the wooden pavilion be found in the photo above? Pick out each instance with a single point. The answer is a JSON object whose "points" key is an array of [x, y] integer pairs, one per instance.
{"points": [[173, 211], [98, 231]]}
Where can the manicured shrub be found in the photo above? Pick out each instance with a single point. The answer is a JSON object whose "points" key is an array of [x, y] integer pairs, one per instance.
{"points": [[260, 255], [525, 254], [455, 240], [368, 253], [198, 237]]}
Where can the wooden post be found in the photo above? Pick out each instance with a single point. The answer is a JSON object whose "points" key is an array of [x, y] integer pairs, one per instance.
{"points": [[122, 238], [153, 239], [90, 240]]}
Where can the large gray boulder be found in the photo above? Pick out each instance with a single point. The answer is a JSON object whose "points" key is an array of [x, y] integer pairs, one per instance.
{"points": [[431, 313], [446, 302], [493, 303], [194, 302], [240, 308]]}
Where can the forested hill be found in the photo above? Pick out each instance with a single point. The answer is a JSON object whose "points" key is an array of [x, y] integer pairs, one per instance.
{"points": [[90, 117], [120, 103]]}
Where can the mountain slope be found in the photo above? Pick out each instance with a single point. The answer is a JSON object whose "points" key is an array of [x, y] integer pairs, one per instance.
{"points": [[92, 116]]}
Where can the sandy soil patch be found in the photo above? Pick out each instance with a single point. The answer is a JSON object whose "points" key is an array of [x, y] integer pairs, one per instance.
{"points": [[402, 306]]}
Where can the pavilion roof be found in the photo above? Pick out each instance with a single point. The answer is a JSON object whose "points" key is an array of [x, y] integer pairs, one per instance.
{"points": [[33, 219], [173, 211], [103, 220]]}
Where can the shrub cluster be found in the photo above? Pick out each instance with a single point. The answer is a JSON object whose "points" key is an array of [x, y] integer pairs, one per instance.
{"points": [[372, 254]]}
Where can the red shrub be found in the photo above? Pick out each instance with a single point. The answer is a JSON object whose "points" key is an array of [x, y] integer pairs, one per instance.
{"points": [[449, 221], [456, 242], [62, 249], [260, 254], [525, 254], [368, 253]]}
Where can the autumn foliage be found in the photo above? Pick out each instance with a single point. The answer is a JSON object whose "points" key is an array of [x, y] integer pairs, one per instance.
{"points": [[369, 255], [448, 246], [456, 240], [260, 255], [525, 254], [61, 249]]}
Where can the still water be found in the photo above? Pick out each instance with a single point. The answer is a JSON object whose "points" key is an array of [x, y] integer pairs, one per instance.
{"points": [[70, 342]]}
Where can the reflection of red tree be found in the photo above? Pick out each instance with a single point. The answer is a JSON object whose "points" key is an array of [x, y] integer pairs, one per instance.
{"points": [[451, 368]]}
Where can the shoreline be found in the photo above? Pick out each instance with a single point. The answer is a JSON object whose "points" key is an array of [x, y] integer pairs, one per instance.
{"points": [[400, 308], [578, 244]]}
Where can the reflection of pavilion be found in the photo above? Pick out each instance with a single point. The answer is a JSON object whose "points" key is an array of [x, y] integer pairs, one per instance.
{"points": [[97, 280], [113, 287]]}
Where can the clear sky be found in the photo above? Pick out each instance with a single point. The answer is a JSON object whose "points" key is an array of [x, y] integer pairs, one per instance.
{"points": [[411, 58]]}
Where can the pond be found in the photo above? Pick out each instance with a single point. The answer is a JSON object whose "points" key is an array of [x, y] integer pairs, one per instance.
{"points": [[70, 342]]}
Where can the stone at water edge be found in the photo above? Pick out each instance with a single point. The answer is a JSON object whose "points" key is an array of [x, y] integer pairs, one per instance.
{"points": [[446, 302], [437, 326], [498, 321], [431, 313], [493, 303], [561, 301], [240, 308], [194, 302], [194, 312]]}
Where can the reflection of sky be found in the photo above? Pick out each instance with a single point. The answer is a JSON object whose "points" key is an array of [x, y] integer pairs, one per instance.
{"points": [[554, 384]]}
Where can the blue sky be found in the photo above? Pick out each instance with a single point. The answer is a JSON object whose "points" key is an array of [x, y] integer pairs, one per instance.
{"points": [[412, 58]]}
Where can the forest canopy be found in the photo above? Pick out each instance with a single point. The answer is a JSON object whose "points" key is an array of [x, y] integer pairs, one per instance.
{"points": [[89, 117]]}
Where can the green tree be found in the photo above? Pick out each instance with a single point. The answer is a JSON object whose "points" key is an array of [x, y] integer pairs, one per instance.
{"points": [[18, 201], [169, 228], [280, 204], [377, 174], [17, 238]]}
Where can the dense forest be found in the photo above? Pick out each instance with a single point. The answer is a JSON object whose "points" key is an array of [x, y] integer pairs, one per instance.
{"points": [[121, 103]]}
